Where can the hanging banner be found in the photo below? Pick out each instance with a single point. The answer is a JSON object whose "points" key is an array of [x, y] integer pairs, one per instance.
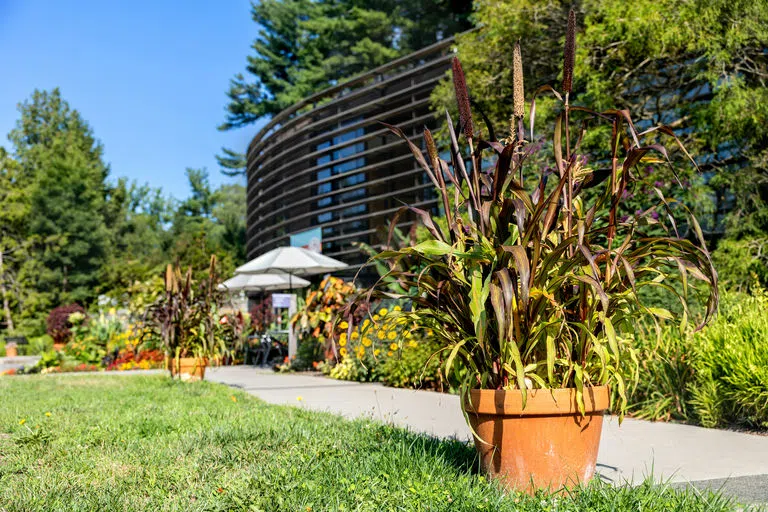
{"points": [[311, 239]]}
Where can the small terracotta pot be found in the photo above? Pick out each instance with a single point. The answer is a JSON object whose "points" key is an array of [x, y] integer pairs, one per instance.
{"points": [[547, 445], [194, 367], [11, 350]]}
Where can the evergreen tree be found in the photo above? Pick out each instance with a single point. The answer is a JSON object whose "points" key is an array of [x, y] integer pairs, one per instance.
{"points": [[59, 155], [14, 210], [304, 46]]}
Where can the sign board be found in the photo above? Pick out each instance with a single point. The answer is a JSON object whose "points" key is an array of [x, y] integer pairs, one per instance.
{"points": [[311, 239], [281, 300]]}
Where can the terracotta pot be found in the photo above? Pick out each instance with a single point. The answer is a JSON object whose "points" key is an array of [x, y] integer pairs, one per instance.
{"points": [[11, 350], [58, 347], [547, 445], [193, 367]]}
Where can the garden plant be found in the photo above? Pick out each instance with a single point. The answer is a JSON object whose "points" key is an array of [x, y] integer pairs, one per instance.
{"points": [[188, 320], [537, 280]]}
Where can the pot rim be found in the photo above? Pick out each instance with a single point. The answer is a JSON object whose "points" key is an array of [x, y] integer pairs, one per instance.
{"points": [[540, 402]]}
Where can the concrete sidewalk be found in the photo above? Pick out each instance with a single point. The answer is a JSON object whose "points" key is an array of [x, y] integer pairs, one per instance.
{"points": [[735, 462]]}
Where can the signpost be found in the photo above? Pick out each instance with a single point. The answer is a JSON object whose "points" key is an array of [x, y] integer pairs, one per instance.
{"points": [[287, 301]]}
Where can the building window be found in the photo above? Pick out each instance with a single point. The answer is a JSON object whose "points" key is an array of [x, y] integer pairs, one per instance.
{"points": [[354, 210], [351, 195], [349, 165], [351, 180]]}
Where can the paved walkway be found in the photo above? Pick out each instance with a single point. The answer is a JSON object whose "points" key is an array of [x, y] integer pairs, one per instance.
{"points": [[733, 461], [8, 363]]}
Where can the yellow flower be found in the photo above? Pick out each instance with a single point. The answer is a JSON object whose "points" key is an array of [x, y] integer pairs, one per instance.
{"points": [[366, 323], [343, 337], [430, 332], [300, 398], [376, 317], [233, 398], [413, 344], [342, 342], [22, 421], [390, 354], [376, 352], [382, 334], [393, 347], [367, 342], [383, 311], [343, 325], [360, 351], [391, 335], [397, 308], [343, 351], [48, 414], [355, 335]]}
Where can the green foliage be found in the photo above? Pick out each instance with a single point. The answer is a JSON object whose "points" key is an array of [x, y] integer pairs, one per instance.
{"points": [[536, 286], [742, 264], [59, 187], [69, 234], [352, 368], [187, 316], [305, 46], [145, 443], [317, 316], [39, 344], [715, 377], [14, 211], [699, 66], [418, 366], [732, 366]]}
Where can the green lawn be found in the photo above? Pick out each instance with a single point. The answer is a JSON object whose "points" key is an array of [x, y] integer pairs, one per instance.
{"points": [[129, 442]]}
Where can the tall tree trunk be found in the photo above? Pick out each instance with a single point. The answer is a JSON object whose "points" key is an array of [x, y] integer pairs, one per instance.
{"points": [[4, 292]]}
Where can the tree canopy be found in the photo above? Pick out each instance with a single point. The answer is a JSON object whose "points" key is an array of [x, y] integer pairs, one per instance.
{"points": [[69, 233], [700, 67], [304, 46]]}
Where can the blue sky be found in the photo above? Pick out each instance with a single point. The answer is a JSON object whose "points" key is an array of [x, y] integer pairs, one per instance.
{"points": [[150, 77]]}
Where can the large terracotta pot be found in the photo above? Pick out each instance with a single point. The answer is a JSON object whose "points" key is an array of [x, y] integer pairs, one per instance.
{"points": [[547, 445], [187, 367]]}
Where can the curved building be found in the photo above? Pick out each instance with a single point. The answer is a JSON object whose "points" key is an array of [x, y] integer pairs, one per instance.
{"points": [[324, 173]]}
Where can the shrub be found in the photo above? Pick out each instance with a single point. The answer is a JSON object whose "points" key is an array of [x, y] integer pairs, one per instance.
{"points": [[716, 377], [59, 326], [742, 264], [262, 315], [352, 368], [666, 373], [39, 344], [731, 366], [417, 365], [315, 319]]}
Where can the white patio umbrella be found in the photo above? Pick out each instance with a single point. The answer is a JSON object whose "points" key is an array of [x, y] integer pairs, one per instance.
{"points": [[294, 261], [262, 282]]}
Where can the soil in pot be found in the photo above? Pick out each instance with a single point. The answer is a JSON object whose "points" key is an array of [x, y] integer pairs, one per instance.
{"points": [[547, 445], [187, 367]]}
